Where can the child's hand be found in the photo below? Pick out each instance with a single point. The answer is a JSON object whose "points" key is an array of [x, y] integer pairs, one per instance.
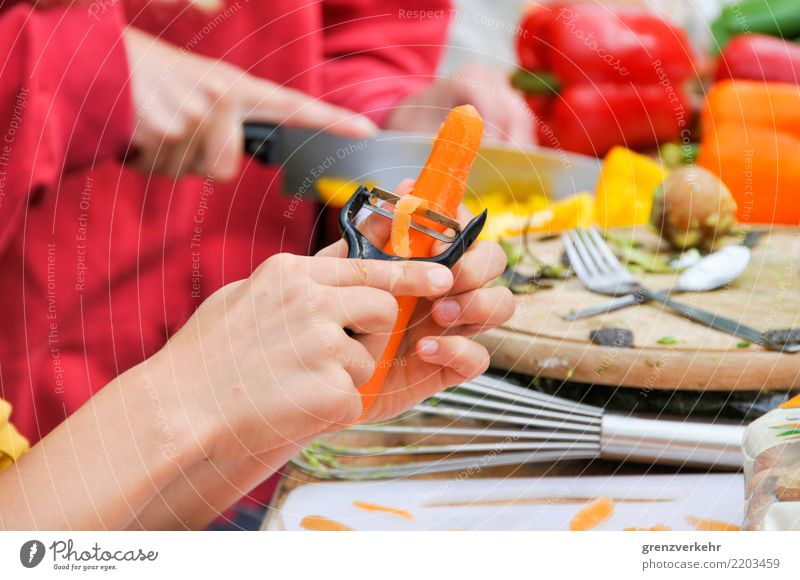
{"points": [[437, 351], [267, 361]]}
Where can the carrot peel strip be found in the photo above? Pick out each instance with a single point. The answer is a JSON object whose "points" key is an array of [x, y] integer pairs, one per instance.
{"points": [[592, 515], [401, 224]]}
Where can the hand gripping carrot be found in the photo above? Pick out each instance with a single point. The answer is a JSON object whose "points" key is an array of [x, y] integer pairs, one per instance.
{"points": [[440, 186]]}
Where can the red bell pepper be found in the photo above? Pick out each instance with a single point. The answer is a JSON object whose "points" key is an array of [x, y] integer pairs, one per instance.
{"points": [[760, 57], [598, 77]]}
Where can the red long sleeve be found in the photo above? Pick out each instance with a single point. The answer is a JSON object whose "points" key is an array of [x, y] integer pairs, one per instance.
{"points": [[63, 100], [379, 52]]}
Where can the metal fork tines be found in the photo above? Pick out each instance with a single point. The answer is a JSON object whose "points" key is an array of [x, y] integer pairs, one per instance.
{"points": [[451, 224], [600, 271], [596, 265]]}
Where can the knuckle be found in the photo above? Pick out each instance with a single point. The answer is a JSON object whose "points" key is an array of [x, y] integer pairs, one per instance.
{"points": [[389, 306], [359, 269], [174, 134], [402, 275], [341, 386], [217, 88], [194, 110], [331, 343], [280, 263], [346, 402]]}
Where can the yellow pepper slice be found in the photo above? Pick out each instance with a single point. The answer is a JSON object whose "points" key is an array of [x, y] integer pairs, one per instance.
{"points": [[624, 195]]}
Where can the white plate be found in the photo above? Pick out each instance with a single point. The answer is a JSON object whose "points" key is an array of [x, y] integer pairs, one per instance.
{"points": [[517, 503]]}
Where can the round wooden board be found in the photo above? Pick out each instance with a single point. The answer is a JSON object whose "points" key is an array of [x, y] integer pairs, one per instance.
{"points": [[539, 342]]}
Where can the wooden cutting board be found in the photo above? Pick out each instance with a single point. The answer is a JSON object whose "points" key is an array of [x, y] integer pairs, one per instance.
{"points": [[539, 342]]}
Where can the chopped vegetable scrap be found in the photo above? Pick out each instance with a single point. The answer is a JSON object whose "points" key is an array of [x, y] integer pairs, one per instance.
{"points": [[667, 340], [525, 273], [613, 337], [793, 403], [707, 525], [316, 523], [401, 224], [371, 507], [655, 528], [592, 515], [511, 218]]}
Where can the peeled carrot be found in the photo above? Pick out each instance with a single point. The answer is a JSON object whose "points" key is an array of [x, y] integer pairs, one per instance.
{"points": [[592, 515], [441, 185]]}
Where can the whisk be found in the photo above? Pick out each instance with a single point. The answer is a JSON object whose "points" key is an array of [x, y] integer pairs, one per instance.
{"points": [[499, 423]]}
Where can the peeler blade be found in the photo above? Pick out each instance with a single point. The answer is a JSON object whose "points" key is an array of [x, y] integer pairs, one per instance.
{"points": [[379, 194]]}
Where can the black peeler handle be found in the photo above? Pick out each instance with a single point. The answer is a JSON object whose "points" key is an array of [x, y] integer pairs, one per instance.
{"points": [[360, 247], [260, 141]]}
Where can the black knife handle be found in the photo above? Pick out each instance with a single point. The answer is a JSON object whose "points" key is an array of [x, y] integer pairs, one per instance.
{"points": [[260, 141]]}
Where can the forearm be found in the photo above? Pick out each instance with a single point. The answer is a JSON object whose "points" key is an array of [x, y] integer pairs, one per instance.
{"points": [[102, 466], [198, 496]]}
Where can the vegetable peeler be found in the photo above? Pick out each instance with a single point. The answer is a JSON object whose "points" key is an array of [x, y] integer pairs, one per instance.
{"points": [[360, 247]]}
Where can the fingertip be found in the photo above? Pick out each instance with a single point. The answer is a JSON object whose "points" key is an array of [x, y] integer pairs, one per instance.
{"points": [[428, 347], [441, 278], [365, 125], [446, 312]]}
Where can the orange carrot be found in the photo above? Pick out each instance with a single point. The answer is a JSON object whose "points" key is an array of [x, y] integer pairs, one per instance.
{"points": [[592, 515], [441, 185]]}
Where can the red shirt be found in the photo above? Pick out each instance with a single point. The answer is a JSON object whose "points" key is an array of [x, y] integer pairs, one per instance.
{"points": [[101, 264]]}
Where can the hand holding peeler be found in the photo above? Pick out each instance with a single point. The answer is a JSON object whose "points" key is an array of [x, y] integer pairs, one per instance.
{"points": [[360, 247]]}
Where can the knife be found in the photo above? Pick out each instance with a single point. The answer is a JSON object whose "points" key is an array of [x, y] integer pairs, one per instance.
{"points": [[388, 157]]}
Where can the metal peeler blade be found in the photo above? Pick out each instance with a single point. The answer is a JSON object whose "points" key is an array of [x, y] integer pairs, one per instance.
{"points": [[360, 247], [377, 193]]}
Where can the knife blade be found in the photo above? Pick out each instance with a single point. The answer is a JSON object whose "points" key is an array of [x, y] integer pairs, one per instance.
{"points": [[388, 157]]}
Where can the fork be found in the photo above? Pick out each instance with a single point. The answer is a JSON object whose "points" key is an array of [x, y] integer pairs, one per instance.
{"points": [[600, 271]]}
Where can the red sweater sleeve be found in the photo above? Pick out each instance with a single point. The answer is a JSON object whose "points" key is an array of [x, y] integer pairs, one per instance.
{"points": [[380, 51], [64, 100]]}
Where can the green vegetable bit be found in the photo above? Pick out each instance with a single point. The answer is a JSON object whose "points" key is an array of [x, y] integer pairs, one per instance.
{"points": [[667, 340], [743, 344]]}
